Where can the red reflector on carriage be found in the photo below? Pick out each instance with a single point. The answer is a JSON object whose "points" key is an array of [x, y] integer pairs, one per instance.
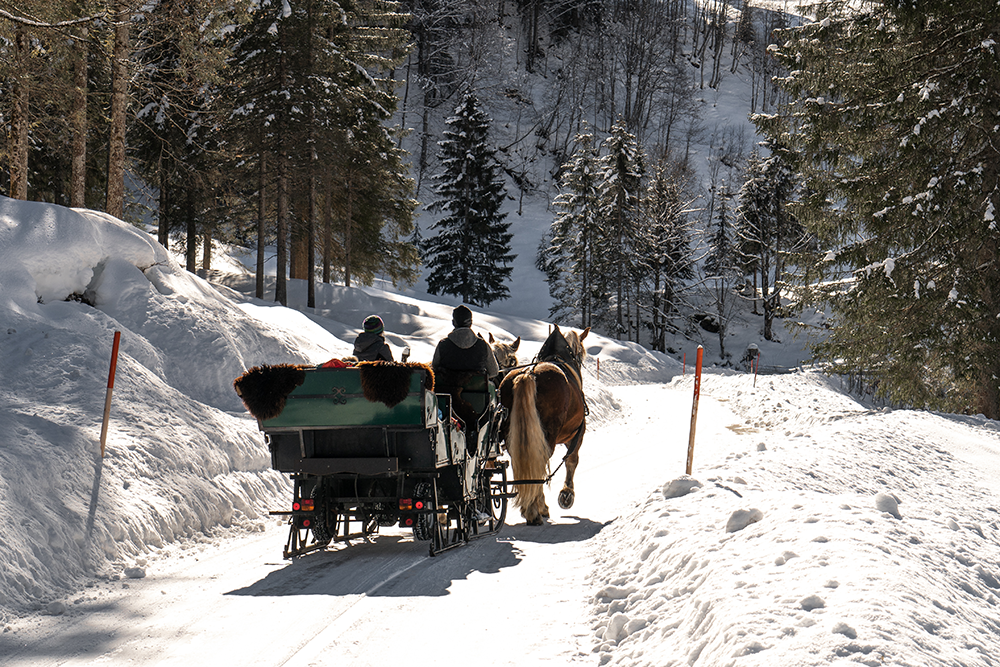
{"points": [[419, 504], [308, 505], [406, 522], [296, 507], [306, 523], [406, 504]]}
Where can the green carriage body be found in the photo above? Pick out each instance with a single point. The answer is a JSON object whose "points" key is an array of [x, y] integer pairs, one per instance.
{"points": [[328, 427], [360, 460]]}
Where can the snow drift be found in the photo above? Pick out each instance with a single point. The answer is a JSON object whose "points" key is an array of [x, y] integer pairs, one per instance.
{"points": [[68, 280]]}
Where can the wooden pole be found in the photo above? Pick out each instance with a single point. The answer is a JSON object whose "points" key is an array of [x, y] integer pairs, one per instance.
{"points": [[694, 409], [111, 386]]}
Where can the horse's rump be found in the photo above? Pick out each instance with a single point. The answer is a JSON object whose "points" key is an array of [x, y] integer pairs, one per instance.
{"points": [[546, 407]]}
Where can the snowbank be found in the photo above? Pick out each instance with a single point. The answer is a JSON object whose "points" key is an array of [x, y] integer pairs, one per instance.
{"points": [[68, 280]]}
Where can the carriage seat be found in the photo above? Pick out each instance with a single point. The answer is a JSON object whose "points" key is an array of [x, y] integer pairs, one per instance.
{"points": [[471, 392]]}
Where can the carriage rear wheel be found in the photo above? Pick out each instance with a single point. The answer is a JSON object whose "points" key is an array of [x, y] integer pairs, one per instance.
{"points": [[327, 519], [423, 526]]}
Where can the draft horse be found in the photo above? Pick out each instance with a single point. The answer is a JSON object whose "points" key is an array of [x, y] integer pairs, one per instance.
{"points": [[505, 353], [546, 407]]}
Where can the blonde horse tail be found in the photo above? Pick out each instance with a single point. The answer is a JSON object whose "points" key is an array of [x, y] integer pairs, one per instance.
{"points": [[528, 451]]}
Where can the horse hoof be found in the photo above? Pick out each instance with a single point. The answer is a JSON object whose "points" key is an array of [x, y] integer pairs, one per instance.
{"points": [[566, 499], [537, 521], [544, 512]]}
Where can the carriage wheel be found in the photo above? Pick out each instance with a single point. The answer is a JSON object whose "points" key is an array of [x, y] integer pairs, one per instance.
{"points": [[423, 527], [497, 494], [490, 500], [327, 519]]}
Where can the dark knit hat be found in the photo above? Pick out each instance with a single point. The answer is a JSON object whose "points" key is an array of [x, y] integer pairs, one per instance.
{"points": [[373, 324], [462, 317]]}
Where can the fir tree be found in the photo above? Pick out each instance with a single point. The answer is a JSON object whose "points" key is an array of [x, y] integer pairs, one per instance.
{"points": [[893, 113], [470, 254], [622, 171], [567, 251], [175, 139], [722, 265], [766, 230], [664, 250]]}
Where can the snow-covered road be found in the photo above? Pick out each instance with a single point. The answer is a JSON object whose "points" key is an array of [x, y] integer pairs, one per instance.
{"points": [[519, 598]]}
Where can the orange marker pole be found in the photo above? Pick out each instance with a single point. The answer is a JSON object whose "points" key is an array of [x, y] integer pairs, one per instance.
{"points": [[694, 408], [111, 386]]}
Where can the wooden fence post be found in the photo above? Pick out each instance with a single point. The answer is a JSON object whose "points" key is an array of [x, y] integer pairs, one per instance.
{"points": [[111, 386], [694, 409]]}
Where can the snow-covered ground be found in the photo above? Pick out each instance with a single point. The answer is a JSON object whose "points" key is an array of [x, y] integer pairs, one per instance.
{"points": [[814, 529]]}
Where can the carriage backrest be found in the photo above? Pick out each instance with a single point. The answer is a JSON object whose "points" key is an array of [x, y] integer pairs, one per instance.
{"points": [[334, 397]]}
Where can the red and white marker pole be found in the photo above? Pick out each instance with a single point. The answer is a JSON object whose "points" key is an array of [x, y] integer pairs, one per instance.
{"points": [[694, 409], [111, 386]]}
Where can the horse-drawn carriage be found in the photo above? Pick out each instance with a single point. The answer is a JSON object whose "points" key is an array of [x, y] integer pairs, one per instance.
{"points": [[373, 445], [377, 444]]}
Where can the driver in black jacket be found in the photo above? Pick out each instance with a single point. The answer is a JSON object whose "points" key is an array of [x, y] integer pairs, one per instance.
{"points": [[463, 349]]}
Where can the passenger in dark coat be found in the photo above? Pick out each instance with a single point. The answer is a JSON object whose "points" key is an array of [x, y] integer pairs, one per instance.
{"points": [[464, 349], [370, 345]]}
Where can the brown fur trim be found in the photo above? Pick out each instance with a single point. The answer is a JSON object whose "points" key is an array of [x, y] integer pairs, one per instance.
{"points": [[264, 389], [388, 382]]}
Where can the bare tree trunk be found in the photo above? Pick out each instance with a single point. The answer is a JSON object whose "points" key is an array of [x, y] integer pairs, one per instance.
{"points": [[281, 271], [261, 223], [78, 174], [311, 233], [327, 223], [163, 214], [18, 141], [115, 199], [191, 248], [281, 284], [299, 233], [348, 224], [206, 252]]}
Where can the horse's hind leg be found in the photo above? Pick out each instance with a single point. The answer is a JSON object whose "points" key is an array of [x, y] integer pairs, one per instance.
{"points": [[568, 494]]}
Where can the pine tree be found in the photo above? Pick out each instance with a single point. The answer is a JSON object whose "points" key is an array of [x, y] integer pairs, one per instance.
{"points": [[722, 265], [767, 232], [893, 113], [260, 120], [621, 173], [312, 98], [567, 252], [373, 203], [470, 255], [664, 250], [175, 139]]}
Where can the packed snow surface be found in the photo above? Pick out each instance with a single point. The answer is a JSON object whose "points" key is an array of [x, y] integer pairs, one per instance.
{"points": [[814, 529]]}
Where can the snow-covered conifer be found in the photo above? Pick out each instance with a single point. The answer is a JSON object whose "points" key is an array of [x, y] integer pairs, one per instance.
{"points": [[470, 254], [567, 252]]}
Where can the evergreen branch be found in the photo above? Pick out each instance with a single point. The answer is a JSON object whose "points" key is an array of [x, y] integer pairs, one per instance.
{"points": [[35, 23]]}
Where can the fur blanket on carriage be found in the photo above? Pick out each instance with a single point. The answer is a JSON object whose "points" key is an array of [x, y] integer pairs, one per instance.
{"points": [[265, 389]]}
